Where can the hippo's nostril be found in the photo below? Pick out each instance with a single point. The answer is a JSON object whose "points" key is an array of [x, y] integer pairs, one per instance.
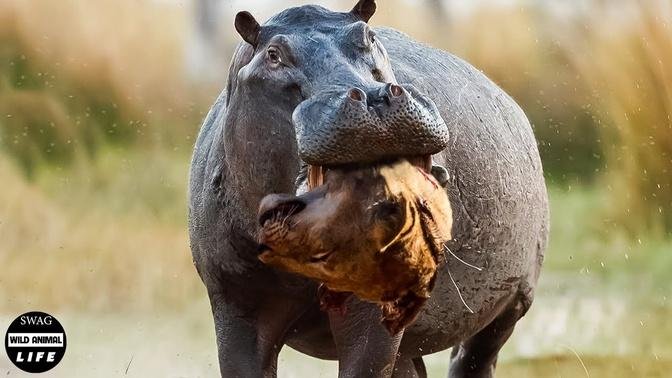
{"points": [[396, 90], [356, 94]]}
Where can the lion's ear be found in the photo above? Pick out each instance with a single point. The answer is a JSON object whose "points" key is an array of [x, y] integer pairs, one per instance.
{"points": [[248, 27], [364, 9]]}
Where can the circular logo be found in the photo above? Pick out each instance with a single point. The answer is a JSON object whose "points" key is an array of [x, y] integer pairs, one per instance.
{"points": [[35, 342]]}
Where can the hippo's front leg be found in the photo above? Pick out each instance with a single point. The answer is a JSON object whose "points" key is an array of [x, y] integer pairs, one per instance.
{"points": [[365, 348], [236, 335], [250, 335]]}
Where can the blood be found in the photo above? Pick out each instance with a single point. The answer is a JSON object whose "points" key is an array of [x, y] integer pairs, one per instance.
{"points": [[332, 300]]}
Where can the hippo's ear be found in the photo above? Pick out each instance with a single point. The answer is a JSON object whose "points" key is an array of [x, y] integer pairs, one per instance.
{"points": [[247, 27], [364, 9]]}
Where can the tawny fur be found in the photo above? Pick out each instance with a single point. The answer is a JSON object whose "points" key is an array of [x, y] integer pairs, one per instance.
{"points": [[377, 232]]}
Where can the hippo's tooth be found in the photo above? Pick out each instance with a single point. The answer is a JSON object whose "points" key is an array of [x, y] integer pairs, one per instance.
{"points": [[315, 176]]}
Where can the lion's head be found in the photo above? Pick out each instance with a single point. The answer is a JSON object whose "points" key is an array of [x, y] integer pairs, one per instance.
{"points": [[377, 232]]}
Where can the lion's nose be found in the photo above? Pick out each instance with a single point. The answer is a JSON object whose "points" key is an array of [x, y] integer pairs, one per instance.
{"points": [[279, 206]]}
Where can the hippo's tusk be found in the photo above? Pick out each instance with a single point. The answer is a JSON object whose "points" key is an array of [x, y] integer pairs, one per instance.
{"points": [[315, 176]]}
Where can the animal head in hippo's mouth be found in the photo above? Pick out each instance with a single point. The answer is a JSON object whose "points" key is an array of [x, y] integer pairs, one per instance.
{"points": [[324, 79], [376, 231]]}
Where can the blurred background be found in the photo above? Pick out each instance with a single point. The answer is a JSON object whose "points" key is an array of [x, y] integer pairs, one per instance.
{"points": [[100, 103]]}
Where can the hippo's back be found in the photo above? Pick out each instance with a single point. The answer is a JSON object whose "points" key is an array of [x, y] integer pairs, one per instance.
{"points": [[496, 189]]}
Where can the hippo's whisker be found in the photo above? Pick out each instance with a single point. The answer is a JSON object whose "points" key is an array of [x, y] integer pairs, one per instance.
{"points": [[460, 260], [458, 291]]}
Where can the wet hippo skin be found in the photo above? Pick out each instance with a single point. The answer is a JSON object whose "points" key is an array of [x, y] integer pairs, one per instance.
{"points": [[312, 86]]}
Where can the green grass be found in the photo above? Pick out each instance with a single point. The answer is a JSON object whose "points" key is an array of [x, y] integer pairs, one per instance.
{"points": [[147, 183], [585, 240], [111, 233]]}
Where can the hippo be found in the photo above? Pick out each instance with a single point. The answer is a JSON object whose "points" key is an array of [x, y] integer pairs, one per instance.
{"points": [[311, 90]]}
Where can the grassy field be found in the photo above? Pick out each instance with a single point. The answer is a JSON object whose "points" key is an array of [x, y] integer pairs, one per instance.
{"points": [[95, 142]]}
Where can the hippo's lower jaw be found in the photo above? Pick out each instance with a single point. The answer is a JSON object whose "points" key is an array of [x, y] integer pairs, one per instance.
{"points": [[348, 126]]}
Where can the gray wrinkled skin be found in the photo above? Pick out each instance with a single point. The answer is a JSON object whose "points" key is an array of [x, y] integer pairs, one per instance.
{"points": [[407, 124], [248, 148]]}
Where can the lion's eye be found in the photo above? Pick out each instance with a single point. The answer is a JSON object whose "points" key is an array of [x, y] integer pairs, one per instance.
{"points": [[386, 209], [274, 55]]}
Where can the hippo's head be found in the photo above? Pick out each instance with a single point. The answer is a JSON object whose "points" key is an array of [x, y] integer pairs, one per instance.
{"points": [[322, 81]]}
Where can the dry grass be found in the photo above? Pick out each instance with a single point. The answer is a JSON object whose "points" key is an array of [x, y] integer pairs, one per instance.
{"points": [[97, 225], [68, 250], [627, 64], [591, 366], [75, 75], [113, 45]]}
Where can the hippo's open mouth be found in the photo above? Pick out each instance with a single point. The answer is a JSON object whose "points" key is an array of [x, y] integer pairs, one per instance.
{"points": [[316, 172]]}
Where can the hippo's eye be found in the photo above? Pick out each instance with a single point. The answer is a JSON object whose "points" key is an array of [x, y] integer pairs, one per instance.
{"points": [[273, 55], [372, 37]]}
